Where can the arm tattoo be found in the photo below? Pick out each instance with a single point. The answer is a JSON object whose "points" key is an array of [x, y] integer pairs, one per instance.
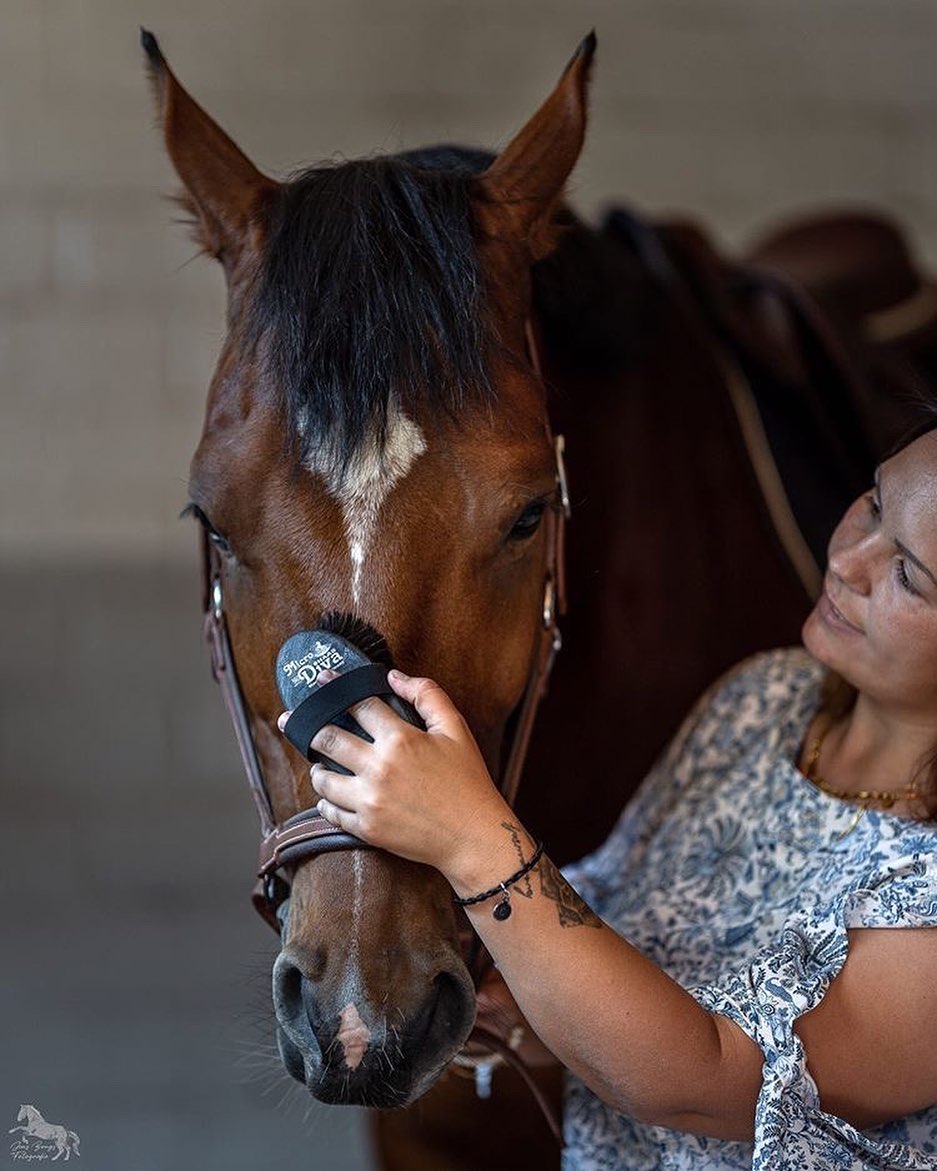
{"points": [[526, 890], [573, 910]]}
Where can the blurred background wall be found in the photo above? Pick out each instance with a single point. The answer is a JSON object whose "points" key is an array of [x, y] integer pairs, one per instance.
{"points": [[737, 111], [134, 980]]}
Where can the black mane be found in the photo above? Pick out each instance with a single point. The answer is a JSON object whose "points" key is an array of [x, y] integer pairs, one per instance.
{"points": [[371, 296]]}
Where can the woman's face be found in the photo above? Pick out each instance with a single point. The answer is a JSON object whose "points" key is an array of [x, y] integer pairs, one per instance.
{"points": [[876, 620]]}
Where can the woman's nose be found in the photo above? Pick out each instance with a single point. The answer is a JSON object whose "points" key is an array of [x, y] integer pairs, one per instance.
{"points": [[852, 564]]}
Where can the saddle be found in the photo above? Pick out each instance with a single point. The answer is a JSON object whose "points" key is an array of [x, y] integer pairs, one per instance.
{"points": [[795, 389], [828, 333], [860, 270]]}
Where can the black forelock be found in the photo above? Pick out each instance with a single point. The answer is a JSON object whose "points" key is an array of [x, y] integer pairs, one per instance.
{"points": [[370, 296]]}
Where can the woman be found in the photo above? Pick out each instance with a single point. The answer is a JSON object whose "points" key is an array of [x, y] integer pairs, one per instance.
{"points": [[735, 1005]]}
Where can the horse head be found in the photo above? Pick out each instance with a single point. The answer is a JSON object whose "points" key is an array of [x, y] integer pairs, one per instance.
{"points": [[376, 447]]}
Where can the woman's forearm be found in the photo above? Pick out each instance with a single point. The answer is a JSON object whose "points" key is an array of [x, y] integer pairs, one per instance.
{"points": [[633, 1035]]}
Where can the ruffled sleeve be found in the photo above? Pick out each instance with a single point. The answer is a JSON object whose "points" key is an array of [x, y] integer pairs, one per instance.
{"points": [[789, 978]]}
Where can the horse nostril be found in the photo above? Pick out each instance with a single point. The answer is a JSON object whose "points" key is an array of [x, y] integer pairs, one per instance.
{"points": [[291, 996], [313, 1015], [446, 1014], [296, 1007], [455, 1009]]}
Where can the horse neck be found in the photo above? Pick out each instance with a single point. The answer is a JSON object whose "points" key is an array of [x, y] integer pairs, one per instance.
{"points": [[597, 305]]}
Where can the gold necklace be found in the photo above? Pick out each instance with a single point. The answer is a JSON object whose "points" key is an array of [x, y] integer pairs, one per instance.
{"points": [[884, 797]]}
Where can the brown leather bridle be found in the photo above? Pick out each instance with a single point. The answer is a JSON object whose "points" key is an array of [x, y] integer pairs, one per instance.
{"points": [[306, 834]]}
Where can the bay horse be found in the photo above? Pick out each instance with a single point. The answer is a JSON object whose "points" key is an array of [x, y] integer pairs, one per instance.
{"points": [[406, 336]]}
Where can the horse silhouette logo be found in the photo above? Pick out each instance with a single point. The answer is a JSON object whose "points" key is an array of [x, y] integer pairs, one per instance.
{"points": [[40, 1139]]}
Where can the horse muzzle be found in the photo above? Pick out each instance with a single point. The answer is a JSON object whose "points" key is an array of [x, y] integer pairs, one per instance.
{"points": [[351, 1049]]}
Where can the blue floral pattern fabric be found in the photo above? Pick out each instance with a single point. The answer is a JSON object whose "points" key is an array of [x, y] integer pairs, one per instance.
{"points": [[741, 879]]}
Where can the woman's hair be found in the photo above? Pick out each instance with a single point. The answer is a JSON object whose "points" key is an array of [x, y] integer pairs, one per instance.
{"points": [[839, 697]]}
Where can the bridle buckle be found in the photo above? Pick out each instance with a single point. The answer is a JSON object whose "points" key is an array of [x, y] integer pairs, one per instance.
{"points": [[559, 448], [549, 604]]}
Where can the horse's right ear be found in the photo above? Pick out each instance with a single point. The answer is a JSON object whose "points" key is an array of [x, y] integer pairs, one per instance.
{"points": [[224, 191]]}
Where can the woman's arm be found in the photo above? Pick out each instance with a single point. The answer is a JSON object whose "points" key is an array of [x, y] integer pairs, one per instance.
{"points": [[871, 1042], [633, 1035]]}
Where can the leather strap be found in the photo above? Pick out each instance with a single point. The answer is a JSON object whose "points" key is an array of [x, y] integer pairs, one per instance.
{"points": [[554, 604], [225, 674], [324, 705], [549, 643], [302, 836], [500, 1048]]}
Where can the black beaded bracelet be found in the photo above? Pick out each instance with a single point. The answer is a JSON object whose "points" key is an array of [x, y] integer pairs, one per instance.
{"points": [[502, 909]]}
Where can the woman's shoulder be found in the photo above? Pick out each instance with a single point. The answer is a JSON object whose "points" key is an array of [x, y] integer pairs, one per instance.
{"points": [[780, 671], [777, 689], [764, 686]]}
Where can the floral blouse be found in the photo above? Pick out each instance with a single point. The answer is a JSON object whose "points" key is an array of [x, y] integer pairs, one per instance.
{"points": [[740, 878]]}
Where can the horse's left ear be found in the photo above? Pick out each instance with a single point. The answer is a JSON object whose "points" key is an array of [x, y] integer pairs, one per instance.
{"points": [[224, 191], [520, 190]]}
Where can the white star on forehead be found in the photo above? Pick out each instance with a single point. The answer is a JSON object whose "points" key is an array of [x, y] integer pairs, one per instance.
{"points": [[363, 486]]}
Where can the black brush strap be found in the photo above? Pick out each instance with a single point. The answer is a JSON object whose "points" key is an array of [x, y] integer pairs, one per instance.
{"points": [[331, 700]]}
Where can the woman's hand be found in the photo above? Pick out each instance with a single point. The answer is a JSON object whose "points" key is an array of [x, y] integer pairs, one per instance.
{"points": [[427, 796]]}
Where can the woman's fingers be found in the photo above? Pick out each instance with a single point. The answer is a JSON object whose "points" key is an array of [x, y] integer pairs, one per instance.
{"points": [[375, 717], [436, 709], [336, 793], [336, 815], [344, 748]]}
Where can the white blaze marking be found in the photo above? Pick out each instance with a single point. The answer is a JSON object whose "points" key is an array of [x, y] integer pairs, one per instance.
{"points": [[364, 486], [357, 866], [353, 1035], [369, 479]]}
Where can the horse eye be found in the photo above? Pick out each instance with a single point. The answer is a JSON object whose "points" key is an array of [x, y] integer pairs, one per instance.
{"points": [[528, 522], [222, 544]]}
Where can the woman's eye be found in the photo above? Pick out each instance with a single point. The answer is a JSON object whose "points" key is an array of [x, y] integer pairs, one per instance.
{"points": [[875, 509], [901, 571], [528, 522]]}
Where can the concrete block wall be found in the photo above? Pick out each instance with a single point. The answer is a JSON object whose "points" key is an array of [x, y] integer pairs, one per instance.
{"points": [[736, 111]]}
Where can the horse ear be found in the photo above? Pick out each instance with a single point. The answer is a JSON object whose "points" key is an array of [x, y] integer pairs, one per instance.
{"points": [[224, 191], [521, 188]]}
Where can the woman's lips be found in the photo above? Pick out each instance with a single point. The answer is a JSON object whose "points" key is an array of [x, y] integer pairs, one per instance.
{"points": [[833, 616]]}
